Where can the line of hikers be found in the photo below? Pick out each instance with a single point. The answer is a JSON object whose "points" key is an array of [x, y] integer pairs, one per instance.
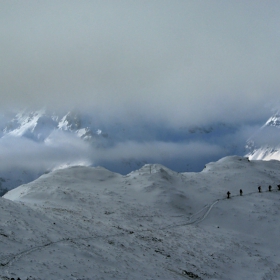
{"points": [[259, 189]]}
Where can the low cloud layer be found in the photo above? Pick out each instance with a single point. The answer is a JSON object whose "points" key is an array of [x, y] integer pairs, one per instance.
{"points": [[179, 62], [60, 150], [158, 151]]}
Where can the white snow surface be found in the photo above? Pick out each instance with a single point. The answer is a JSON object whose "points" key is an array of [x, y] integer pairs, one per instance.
{"points": [[154, 223]]}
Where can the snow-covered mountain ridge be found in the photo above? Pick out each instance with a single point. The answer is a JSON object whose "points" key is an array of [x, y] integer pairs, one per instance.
{"points": [[265, 143], [90, 223], [274, 120], [38, 125]]}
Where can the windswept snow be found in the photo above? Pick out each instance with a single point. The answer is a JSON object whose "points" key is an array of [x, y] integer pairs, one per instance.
{"points": [[266, 153], [153, 223]]}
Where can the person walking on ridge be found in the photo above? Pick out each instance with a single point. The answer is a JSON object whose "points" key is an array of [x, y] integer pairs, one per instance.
{"points": [[241, 192], [269, 188], [260, 188], [228, 194]]}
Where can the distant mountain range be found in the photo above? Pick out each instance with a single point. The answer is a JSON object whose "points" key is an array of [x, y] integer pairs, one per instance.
{"points": [[43, 126], [38, 125]]}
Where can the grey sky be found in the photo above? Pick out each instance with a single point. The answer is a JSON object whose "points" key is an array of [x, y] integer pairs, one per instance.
{"points": [[180, 62]]}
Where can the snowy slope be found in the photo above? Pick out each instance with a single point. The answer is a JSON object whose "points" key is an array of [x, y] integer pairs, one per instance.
{"points": [[154, 223]]}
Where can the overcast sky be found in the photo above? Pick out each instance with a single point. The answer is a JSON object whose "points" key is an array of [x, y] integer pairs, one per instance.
{"points": [[178, 62]]}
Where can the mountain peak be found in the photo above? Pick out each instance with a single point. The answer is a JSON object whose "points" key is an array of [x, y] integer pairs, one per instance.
{"points": [[274, 120], [264, 144]]}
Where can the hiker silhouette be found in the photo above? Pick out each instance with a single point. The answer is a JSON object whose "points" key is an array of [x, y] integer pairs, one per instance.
{"points": [[241, 192], [269, 188], [259, 188], [228, 194]]}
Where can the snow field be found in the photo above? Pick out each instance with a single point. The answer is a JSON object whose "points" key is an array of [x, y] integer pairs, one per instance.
{"points": [[154, 223]]}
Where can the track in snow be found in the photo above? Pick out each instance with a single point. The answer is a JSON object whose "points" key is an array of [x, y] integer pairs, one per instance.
{"points": [[196, 218]]}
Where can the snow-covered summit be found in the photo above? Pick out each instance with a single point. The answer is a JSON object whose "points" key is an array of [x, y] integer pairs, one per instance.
{"points": [[35, 125], [38, 125], [274, 120], [265, 143]]}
